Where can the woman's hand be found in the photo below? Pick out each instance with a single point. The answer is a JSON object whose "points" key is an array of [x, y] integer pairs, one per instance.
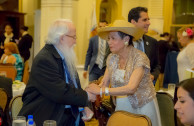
{"points": [[94, 89]]}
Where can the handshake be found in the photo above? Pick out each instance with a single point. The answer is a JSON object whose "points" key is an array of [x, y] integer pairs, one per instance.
{"points": [[93, 90]]}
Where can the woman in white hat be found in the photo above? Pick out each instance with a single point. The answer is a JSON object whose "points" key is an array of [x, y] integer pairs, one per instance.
{"points": [[128, 72]]}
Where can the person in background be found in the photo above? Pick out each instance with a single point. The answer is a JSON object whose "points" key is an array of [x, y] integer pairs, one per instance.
{"points": [[185, 103], [96, 56], [164, 47], [25, 43], [53, 91], [11, 55], [185, 59], [8, 36], [128, 72], [139, 17]]}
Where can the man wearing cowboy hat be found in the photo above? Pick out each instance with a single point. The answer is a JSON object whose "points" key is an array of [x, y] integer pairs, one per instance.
{"points": [[139, 17]]}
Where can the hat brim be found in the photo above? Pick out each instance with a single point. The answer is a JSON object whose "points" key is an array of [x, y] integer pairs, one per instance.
{"points": [[122, 26]]}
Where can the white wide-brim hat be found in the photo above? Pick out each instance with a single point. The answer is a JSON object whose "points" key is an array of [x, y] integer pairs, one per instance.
{"points": [[122, 26]]}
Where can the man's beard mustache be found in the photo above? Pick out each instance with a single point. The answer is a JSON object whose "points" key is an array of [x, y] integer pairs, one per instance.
{"points": [[70, 59]]}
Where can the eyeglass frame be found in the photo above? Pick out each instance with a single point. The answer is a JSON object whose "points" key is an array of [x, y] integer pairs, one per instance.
{"points": [[74, 37]]}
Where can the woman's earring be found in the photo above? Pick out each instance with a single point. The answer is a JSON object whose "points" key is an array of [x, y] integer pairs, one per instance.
{"points": [[126, 43]]}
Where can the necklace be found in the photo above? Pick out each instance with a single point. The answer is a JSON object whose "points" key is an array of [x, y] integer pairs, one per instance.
{"points": [[124, 64]]}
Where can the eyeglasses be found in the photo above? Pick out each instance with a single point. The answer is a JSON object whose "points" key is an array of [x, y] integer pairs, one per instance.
{"points": [[74, 37]]}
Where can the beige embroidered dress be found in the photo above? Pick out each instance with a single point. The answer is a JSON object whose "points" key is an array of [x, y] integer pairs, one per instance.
{"points": [[143, 101]]}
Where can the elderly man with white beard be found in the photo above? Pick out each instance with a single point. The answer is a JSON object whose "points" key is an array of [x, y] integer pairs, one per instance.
{"points": [[53, 91]]}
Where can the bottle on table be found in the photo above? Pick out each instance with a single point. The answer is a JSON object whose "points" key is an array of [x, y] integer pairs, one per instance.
{"points": [[30, 121]]}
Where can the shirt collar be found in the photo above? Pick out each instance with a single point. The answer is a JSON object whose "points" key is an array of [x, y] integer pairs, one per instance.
{"points": [[60, 53], [24, 33]]}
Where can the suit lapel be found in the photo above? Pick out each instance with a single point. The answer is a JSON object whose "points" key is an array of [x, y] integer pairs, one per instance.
{"points": [[146, 45], [97, 43]]}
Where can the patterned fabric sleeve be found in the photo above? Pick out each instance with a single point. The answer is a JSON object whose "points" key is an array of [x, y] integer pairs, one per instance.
{"points": [[141, 60], [190, 54], [108, 60]]}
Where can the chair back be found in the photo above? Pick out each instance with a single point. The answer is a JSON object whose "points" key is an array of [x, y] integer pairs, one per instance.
{"points": [[3, 98], [26, 72], [15, 106], [123, 118], [166, 107], [8, 70]]}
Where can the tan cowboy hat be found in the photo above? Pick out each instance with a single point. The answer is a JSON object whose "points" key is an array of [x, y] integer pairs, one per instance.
{"points": [[122, 26]]}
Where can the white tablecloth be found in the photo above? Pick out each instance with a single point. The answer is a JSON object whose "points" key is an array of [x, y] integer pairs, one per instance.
{"points": [[18, 89]]}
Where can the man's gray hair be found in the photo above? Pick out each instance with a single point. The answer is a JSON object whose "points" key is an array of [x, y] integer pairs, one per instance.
{"points": [[58, 28]]}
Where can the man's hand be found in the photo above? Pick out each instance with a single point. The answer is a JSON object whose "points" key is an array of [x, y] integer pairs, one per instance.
{"points": [[152, 77], [94, 89], [85, 73], [91, 97], [87, 114]]}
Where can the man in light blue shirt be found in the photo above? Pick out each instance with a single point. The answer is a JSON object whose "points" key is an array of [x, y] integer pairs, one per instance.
{"points": [[53, 91], [139, 17]]}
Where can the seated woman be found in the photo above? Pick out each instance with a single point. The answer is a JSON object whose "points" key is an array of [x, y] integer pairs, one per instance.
{"points": [[185, 103], [128, 72], [12, 56]]}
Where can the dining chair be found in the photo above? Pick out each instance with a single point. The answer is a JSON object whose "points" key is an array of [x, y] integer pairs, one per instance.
{"points": [[123, 118], [15, 106], [8, 70], [166, 107], [3, 98]]}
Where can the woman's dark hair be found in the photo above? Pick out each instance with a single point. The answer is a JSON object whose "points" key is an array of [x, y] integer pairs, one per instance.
{"points": [[25, 28], [164, 34], [8, 25], [188, 85], [122, 35]]}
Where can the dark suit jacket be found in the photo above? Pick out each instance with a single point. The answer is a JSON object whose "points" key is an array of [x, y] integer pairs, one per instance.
{"points": [[92, 53], [24, 45], [47, 92], [151, 50]]}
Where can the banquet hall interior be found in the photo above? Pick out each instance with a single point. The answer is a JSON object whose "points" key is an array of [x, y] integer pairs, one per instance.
{"points": [[165, 16]]}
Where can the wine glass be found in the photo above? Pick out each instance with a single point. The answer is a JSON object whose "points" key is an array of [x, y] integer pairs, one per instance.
{"points": [[49, 123], [171, 88], [19, 121]]}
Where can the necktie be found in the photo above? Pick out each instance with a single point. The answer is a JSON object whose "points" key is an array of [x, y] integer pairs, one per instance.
{"points": [[72, 82], [139, 45], [101, 59]]}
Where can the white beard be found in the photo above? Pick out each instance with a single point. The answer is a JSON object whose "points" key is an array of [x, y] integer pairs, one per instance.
{"points": [[70, 59]]}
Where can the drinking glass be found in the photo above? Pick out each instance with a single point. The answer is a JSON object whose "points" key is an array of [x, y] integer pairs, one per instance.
{"points": [[19, 121], [49, 123], [171, 89]]}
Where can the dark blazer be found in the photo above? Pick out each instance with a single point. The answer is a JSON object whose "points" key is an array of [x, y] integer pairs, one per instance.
{"points": [[92, 53], [152, 51], [24, 46], [47, 92], [164, 47]]}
